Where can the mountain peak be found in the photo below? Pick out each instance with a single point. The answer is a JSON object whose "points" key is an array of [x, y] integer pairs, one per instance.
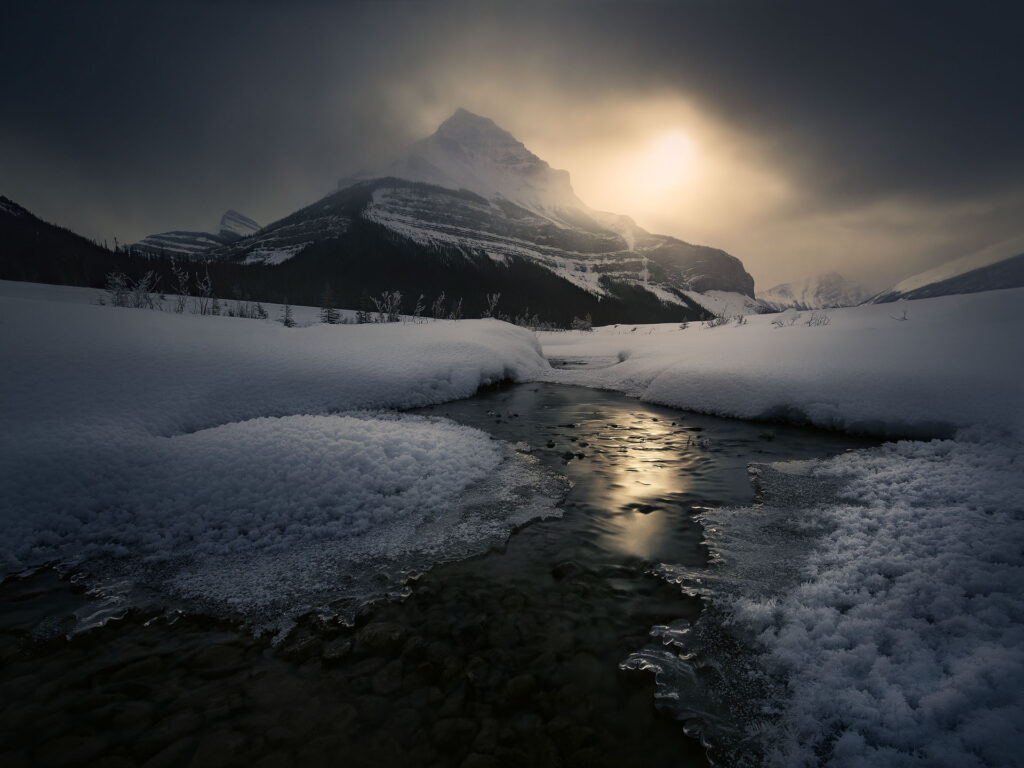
{"points": [[234, 225], [472, 152], [471, 129], [823, 291]]}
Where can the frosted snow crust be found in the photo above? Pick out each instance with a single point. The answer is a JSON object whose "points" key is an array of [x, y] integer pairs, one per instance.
{"points": [[208, 453], [870, 611]]}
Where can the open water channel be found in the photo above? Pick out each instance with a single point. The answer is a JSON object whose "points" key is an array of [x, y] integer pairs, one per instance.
{"points": [[510, 658]]}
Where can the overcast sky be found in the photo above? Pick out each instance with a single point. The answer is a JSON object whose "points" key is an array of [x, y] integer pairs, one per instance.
{"points": [[873, 138]]}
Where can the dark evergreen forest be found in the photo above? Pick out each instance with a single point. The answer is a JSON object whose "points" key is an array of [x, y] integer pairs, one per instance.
{"points": [[366, 260]]}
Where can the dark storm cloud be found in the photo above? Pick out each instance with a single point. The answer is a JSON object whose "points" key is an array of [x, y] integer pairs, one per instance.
{"points": [[862, 97], [128, 118]]}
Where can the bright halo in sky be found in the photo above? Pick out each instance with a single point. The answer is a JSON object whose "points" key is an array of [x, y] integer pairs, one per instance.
{"points": [[665, 162]]}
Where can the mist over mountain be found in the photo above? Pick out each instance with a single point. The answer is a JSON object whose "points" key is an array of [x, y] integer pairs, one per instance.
{"points": [[464, 213], [970, 274], [481, 211], [825, 291]]}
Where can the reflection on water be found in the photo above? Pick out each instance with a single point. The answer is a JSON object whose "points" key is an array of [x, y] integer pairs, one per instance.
{"points": [[506, 659], [638, 470]]}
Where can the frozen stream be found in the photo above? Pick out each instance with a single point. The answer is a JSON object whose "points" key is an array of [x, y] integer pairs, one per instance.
{"points": [[508, 658]]}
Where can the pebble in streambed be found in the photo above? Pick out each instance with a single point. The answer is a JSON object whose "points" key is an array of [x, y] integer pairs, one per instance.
{"points": [[450, 677]]}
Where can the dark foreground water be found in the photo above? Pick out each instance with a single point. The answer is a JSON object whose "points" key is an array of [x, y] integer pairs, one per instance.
{"points": [[510, 658]]}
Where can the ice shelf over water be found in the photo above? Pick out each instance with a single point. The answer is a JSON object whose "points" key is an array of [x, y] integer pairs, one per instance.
{"points": [[236, 457]]}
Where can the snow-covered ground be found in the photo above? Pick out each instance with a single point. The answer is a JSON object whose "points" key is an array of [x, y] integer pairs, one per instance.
{"points": [[955, 361], [879, 593], [884, 602], [227, 452], [902, 643]]}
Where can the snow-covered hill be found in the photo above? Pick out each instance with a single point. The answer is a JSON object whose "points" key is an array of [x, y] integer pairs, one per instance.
{"points": [[232, 226], [473, 190], [825, 291], [987, 270]]}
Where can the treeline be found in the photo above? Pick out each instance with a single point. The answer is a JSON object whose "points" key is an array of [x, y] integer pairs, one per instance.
{"points": [[367, 260]]}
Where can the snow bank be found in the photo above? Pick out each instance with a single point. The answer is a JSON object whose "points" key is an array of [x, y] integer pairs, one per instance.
{"points": [[83, 372], [882, 596], [212, 448], [955, 361], [904, 642]]}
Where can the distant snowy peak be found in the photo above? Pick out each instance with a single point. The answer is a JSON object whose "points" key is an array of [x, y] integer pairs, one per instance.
{"points": [[233, 226], [987, 270], [473, 153], [820, 292]]}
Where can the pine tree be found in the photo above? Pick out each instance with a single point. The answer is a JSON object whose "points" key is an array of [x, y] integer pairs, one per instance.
{"points": [[328, 312], [286, 316], [364, 314]]}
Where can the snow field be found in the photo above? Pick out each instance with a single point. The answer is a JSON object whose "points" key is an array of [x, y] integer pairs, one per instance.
{"points": [[957, 361], [225, 447]]}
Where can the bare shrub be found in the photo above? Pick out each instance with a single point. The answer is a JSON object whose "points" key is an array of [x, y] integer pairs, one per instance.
{"points": [[491, 304], [181, 289], [202, 302], [138, 294], [389, 307], [818, 318], [582, 324], [437, 307]]}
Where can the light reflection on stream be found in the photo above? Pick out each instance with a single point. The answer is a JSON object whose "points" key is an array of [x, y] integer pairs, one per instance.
{"points": [[509, 658]]}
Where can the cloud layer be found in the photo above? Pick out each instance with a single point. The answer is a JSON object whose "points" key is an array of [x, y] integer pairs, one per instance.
{"points": [[872, 138]]}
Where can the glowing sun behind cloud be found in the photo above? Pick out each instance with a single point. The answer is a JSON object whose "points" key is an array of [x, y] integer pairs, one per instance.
{"points": [[673, 168], [664, 163]]}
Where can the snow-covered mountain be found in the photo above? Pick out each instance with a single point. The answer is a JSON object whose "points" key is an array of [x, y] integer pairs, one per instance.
{"points": [[987, 270], [232, 226], [475, 200], [820, 292], [472, 152]]}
